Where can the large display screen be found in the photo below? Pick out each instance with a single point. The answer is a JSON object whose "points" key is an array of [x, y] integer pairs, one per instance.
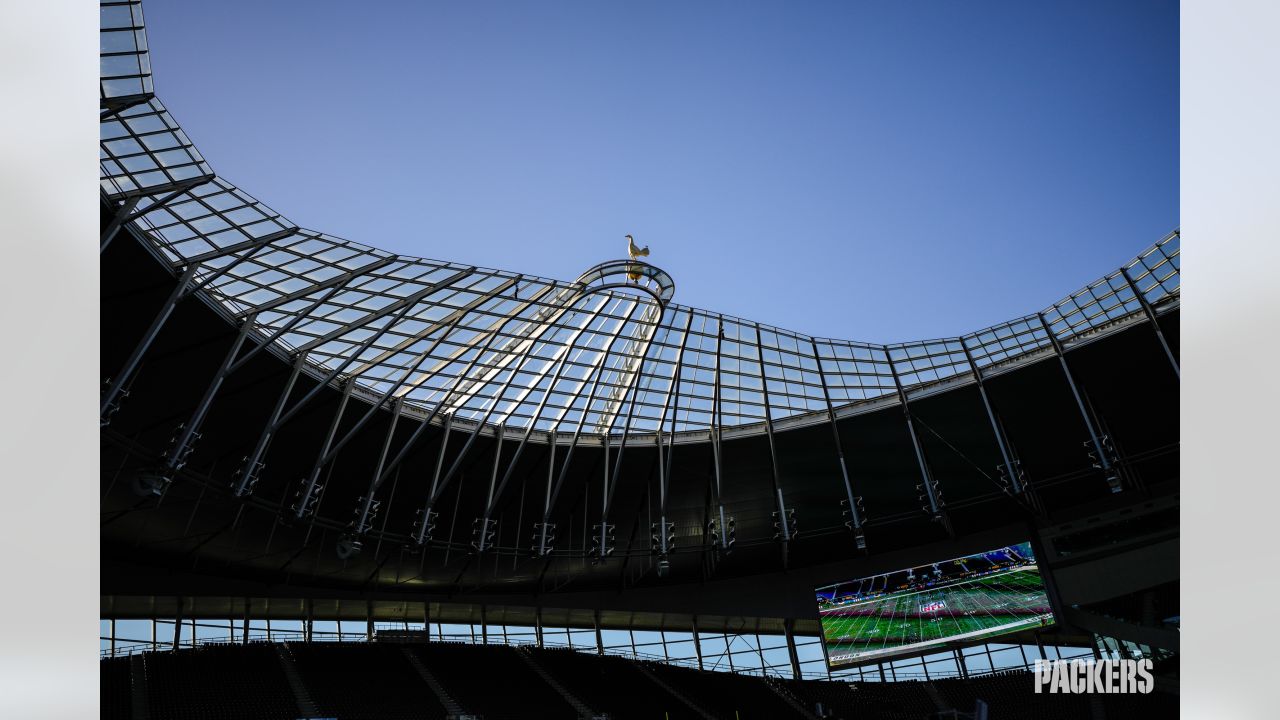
{"points": [[918, 609]]}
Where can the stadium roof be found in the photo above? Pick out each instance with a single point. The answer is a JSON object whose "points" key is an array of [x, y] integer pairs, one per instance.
{"points": [[598, 356], [484, 361]]}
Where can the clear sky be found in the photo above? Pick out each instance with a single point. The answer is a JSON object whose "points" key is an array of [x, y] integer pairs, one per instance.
{"points": [[877, 171]]}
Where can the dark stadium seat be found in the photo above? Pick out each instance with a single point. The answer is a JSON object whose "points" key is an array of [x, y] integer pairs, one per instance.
{"points": [[725, 694], [115, 689], [218, 683], [611, 685], [473, 674], [364, 681], [377, 681], [843, 700]]}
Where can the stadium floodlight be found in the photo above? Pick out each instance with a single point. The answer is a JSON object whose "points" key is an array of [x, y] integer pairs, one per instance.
{"points": [[424, 526], [603, 540], [544, 539], [662, 537], [724, 541], [1108, 462], [1012, 480], [113, 405], [246, 476], [304, 503], [853, 518], [363, 523], [785, 525], [930, 500], [482, 532], [177, 453]]}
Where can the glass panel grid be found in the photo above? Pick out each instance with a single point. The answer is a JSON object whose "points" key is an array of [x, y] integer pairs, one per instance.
{"points": [[526, 352]]}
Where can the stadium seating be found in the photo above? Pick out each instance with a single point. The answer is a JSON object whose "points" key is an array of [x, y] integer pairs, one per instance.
{"points": [[114, 689], [725, 694], [890, 701], [472, 674], [218, 682], [364, 682], [610, 685]]}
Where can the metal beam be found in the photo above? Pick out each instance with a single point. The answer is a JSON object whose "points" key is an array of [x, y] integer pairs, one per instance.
{"points": [[250, 244], [123, 377], [437, 486], [1151, 317], [457, 463], [633, 389], [545, 319], [930, 491], [789, 627], [335, 281], [559, 361], [785, 530], [252, 247], [121, 216], [330, 452], [496, 327], [303, 505], [396, 307], [450, 319], [697, 642], [293, 322], [177, 454], [1110, 473], [1015, 482], [855, 513], [248, 474], [673, 391], [594, 377], [717, 425]]}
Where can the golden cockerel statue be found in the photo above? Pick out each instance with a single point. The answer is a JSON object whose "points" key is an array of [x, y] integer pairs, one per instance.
{"points": [[635, 252]]}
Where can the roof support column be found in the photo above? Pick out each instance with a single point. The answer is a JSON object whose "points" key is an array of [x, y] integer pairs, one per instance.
{"points": [[930, 491], [368, 505], [1012, 468], [853, 504], [664, 465], [546, 529], [605, 529], [595, 617], [422, 535], [310, 494], [1109, 471], [119, 219], [789, 627], [116, 385], [177, 627], [248, 473], [716, 425], [537, 624], [1151, 317], [188, 432], [785, 520], [697, 642]]}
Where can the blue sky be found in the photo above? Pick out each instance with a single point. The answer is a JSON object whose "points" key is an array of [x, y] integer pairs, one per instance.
{"points": [[874, 171]]}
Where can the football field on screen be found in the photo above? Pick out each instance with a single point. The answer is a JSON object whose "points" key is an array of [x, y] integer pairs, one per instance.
{"points": [[908, 620]]}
